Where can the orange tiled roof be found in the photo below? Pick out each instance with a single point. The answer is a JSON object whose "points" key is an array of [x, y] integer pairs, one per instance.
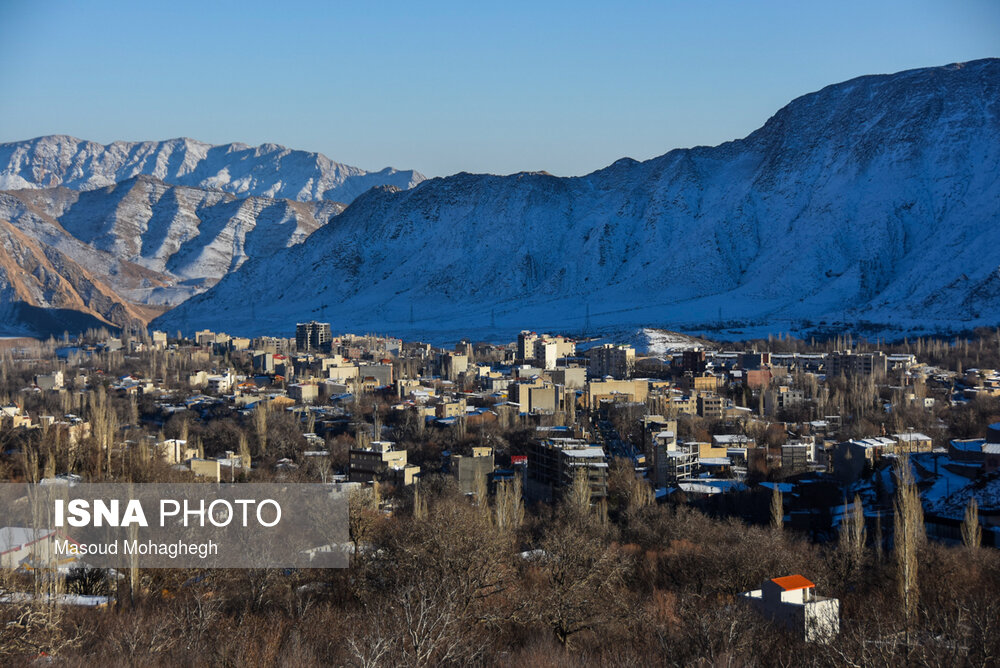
{"points": [[793, 582]]}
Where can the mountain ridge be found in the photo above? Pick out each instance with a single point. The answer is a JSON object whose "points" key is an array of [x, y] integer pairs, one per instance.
{"points": [[187, 237], [237, 168], [831, 208]]}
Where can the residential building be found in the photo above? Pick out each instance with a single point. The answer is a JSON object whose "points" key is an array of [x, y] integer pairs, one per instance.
{"points": [[206, 468], [50, 381], [553, 464], [850, 457], [693, 361], [220, 384], [263, 362], [792, 602], [453, 365], [466, 468], [848, 363], [794, 458], [913, 441], [381, 461], [570, 376], [710, 406], [549, 349], [617, 361], [204, 337], [159, 339], [304, 393], [313, 335], [526, 346], [174, 451], [546, 353], [671, 461], [380, 373], [615, 390], [705, 383], [782, 398]]}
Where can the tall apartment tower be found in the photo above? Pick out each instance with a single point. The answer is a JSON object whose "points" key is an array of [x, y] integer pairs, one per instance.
{"points": [[526, 345], [312, 335]]}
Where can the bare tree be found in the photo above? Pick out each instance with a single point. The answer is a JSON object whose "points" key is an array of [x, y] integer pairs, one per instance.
{"points": [[907, 539], [578, 498], [508, 507], [580, 588], [480, 490], [245, 452], [853, 533], [972, 533], [260, 426], [777, 508], [419, 504]]}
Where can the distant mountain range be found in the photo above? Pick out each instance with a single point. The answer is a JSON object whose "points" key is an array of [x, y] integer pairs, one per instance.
{"points": [[150, 223], [877, 199], [269, 170], [874, 200]]}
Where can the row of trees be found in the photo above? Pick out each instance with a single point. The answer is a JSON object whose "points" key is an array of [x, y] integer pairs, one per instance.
{"points": [[454, 580]]}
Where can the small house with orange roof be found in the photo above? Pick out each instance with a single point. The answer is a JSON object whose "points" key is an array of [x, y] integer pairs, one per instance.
{"points": [[792, 602]]}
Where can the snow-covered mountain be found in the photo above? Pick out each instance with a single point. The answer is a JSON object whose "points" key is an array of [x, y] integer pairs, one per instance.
{"points": [[188, 238], [263, 171], [45, 291], [876, 199]]}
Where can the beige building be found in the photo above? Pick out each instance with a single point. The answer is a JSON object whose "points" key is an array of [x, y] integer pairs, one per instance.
{"points": [[707, 383], [381, 461], [849, 363], [206, 468], [615, 390], [913, 442], [453, 366], [450, 408], [611, 360], [710, 406], [549, 349], [50, 381], [570, 377], [198, 379], [174, 451], [526, 346], [539, 397], [304, 393], [159, 339]]}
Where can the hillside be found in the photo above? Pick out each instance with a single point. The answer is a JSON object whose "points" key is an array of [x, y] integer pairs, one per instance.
{"points": [[876, 199]]}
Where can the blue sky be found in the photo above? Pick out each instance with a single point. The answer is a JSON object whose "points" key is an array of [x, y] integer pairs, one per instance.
{"points": [[443, 87]]}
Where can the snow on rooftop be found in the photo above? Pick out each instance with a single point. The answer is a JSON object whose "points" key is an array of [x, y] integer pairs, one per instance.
{"points": [[912, 436]]}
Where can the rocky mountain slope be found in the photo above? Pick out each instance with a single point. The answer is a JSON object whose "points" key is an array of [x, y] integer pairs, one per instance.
{"points": [[269, 170], [161, 221], [43, 290], [188, 237], [876, 199]]}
